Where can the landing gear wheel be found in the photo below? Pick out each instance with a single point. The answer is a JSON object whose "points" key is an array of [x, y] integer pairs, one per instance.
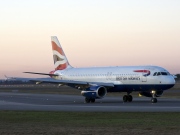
{"points": [[92, 100], [125, 98], [87, 100], [130, 98], [154, 100]]}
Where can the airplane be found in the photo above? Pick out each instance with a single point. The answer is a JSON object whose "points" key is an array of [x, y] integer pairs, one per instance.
{"points": [[96, 82]]}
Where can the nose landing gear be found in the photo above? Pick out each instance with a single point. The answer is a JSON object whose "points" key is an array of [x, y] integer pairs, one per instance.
{"points": [[153, 99]]}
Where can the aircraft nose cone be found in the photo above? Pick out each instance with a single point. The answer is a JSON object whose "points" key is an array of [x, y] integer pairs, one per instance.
{"points": [[170, 80]]}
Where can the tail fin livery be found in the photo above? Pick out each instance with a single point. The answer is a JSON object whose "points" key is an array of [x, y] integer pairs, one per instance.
{"points": [[60, 60]]}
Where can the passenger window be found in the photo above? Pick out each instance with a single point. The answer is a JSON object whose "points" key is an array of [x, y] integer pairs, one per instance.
{"points": [[163, 73], [158, 73], [155, 74]]}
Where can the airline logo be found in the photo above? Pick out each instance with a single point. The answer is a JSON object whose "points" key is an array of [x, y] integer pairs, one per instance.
{"points": [[60, 60], [145, 72]]}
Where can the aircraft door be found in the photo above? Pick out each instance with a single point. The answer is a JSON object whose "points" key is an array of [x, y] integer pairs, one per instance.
{"points": [[144, 76], [109, 75]]}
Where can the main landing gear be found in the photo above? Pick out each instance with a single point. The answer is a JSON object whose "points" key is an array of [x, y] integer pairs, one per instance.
{"points": [[88, 100], [153, 99], [127, 98]]}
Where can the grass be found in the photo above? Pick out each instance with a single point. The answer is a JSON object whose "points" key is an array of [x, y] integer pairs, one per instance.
{"points": [[86, 123], [90, 123]]}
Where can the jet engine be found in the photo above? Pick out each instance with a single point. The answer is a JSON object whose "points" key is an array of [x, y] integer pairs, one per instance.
{"points": [[149, 94], [94, 92]]}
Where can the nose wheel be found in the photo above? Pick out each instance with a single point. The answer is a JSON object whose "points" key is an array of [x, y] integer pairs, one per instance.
{"points": [[127, 98], [153, 99]]}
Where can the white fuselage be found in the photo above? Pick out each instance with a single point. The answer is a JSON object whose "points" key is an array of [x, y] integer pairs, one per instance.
{"points": [[117, 75]]}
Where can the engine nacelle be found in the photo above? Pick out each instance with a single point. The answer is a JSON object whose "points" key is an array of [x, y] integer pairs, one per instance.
{"points": [[94, 92], [149, 94]]}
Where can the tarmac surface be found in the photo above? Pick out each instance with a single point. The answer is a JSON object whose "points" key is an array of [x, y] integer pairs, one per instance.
{"points": [[56, 102]]}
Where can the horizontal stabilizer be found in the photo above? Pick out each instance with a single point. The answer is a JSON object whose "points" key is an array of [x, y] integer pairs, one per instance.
{"points": [[41, 73]]}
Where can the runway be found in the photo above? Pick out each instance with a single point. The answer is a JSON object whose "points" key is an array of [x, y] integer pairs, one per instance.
{"points": [[56, 102]]}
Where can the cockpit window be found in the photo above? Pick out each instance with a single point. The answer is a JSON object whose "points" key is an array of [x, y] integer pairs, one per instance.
{"points": [[159, 73], [164, 73], [155, 74]]}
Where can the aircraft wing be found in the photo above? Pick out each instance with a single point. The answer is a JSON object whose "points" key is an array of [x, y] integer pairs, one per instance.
{"points": [[176, 76], [63, 82], [66, 82]]}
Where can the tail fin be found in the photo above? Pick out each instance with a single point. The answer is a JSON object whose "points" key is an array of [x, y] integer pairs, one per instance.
{"points": [[60, 60]]}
